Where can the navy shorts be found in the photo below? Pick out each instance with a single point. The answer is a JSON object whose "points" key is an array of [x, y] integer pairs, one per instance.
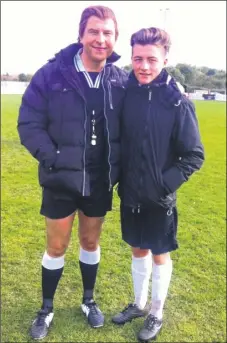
{"points": [[58, 206], [151, 229]]}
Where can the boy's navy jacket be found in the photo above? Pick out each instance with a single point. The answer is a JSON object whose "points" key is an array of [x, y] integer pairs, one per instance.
{"points": [[160, 142], [53, 123]]}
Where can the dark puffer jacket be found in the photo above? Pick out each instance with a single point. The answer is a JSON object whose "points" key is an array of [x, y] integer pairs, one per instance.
{"points": [[53, 122], [160, 143]]}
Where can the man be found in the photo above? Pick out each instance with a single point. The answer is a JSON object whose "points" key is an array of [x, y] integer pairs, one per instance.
{"points": [[69, 121], [161, 148]]}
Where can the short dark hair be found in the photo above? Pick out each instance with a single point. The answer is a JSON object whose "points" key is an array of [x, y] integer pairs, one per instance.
{"points": [[153, 36], [102, 12]]}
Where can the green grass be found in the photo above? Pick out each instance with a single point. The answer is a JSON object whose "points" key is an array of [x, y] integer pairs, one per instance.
{"points": [[195, 309]]}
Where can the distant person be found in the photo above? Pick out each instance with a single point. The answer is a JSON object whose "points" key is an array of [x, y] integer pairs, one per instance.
{"points": [[185, 88], [161, 148], [69, 122]]}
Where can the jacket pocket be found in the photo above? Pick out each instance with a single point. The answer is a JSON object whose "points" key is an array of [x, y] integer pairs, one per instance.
{"points": [[69, 158], [169, 201], [61, 180], [151, 187]]}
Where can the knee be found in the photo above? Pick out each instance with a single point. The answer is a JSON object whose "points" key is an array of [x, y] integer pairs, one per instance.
{"points": [[138, 253], [89, 243], [56, 249], [161, 259]]}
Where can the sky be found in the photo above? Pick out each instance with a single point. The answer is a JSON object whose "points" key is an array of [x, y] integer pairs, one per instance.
{"points": [[33, 31]]}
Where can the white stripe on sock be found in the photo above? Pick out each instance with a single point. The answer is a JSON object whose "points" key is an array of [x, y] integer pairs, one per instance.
{"points": [[90, 257], [53, 263]]}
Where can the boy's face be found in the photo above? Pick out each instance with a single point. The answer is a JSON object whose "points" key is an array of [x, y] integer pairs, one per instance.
{"points": [[148, 61], [99, 38]]}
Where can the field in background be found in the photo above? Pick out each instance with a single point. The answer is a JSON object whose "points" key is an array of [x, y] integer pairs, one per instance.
{"points": [[195, 310]]}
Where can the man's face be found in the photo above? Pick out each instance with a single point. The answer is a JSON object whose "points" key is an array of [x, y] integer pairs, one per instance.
{"points": [[99, 38], [147, 62]]}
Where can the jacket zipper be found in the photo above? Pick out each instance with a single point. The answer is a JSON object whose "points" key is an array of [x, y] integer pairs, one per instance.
{"points": [[108, 134], [141, 183], [170, 209], [150, 94], [110, 95]]}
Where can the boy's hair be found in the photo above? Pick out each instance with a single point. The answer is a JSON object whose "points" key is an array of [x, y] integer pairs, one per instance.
{"points": [[153, 36], [102, 12]]}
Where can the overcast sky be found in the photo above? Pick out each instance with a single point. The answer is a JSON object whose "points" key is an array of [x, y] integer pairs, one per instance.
{"points": [[33, 31]]}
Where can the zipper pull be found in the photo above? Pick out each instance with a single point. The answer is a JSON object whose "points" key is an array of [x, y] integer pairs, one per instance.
{"points": [[138, 209], [150, 93]]}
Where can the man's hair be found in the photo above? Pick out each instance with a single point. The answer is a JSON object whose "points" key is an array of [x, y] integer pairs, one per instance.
{"points": [[101, 12], [153, 36]]}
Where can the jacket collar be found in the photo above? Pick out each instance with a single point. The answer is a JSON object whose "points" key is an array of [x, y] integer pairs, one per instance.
{"points": [[169, 92], [65, 61], [163, 79]]}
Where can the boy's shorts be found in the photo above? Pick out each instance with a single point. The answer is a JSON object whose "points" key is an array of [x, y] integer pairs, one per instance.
{"points": [[152, 228]]}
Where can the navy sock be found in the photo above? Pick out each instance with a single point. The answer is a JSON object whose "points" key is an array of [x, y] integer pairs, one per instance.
{"points": [[89, 273], [50, 279]]}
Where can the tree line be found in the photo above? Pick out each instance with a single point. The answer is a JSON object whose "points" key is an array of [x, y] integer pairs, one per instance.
{"points": [[21, 77], [192, 77], [24, 77]]}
